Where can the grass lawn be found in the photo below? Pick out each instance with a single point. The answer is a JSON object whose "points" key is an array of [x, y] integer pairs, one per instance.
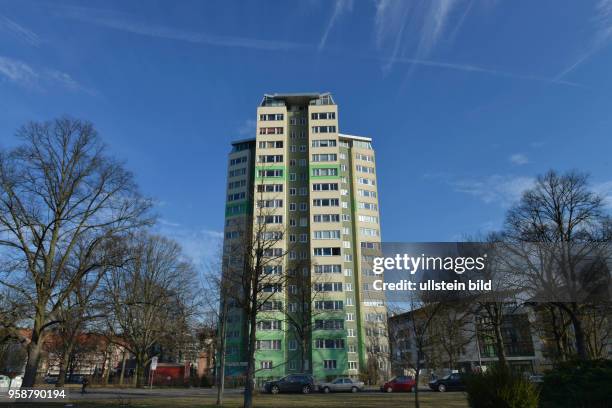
{"points": [[361, 400]]}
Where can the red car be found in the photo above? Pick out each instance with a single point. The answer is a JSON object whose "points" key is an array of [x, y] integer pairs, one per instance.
{"points": [[398, 384]]}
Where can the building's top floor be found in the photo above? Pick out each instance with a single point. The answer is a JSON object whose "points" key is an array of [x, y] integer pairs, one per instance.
{"points": [[298, 99]]}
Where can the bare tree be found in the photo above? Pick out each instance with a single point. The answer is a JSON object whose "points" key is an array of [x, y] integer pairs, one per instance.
{"points": [[253, 272], [150, 298], [557, 238], [59, 189]]}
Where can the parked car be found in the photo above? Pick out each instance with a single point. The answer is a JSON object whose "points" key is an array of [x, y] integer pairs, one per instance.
{"points": [[303, 383], [450, 382], [399, 384], [341, 384], [536, 378], [51, 379], [74, 379], [6, 382]]}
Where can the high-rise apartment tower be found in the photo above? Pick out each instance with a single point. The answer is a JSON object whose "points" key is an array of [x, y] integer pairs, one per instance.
{"points": [[318, 189]]}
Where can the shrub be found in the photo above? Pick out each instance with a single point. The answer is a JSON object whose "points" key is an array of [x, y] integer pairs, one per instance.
{"points": [[501, 388], [578, 384]]}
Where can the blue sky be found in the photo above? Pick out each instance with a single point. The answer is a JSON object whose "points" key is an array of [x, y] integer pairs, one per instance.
{"points": [[466, 101]]}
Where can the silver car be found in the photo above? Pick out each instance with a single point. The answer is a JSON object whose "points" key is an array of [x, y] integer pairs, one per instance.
{"points": [[342, 384]]}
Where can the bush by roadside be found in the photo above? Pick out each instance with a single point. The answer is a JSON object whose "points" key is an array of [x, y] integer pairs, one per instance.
{"points": [[578, 384], [501, 388]]}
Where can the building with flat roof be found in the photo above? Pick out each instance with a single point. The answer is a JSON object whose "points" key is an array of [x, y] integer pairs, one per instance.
{"points": [[319, 190]]}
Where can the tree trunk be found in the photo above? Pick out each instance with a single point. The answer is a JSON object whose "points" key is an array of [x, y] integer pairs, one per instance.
{"points": [[122, 376], [417, 375], [33, 349], [64, 365], [221, 373], [139, 381], [250, 377], [581, 350], [499, 346]]}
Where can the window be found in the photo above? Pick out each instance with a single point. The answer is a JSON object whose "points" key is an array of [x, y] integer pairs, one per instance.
{"points": [[327, 218], [302, 148], [293, 289], [303, 163], [292, 345], [325, 172], [326, 202], [352, 348], [292, 177], [324, 157], [237, 172], [364, 169], [329, 364], [303, 191], [269, 203], [273, 269], [269, 188], [271, 116], [303, 221], [330, 251], [348, 287], [348, 272], [292, 222], [270, 219], [366, 181], [367, 206], [366, 193], [270, 173], [324, 143], [346, 244], [271, 235], [303, 207], [333, 324], [303, 237], [271, 131], [329, 343], [323, 129], [364, 157], [349, 301], [327, 234], [329, 305], [328, 287], [292, 206], [293, 148], [293, 191], [323, 115], [268, 344], [368, 218], [350, 317], [270, 158], [238, 160], [325, 187], [266, 365], [328, 268], [269, 325], [236, 184], [350, 332], [277, 144], [369, 232], [346, 217], [352, 365], [236, 196]]}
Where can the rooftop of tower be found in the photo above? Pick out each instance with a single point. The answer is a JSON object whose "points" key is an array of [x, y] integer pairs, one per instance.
{"points": [[306, 98]]}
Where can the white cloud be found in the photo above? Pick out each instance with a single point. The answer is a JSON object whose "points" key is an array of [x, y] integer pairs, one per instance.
{"points": [[519, 159], [19, 31], [413, 28], [503, 190], [340, 7], [200, 245], [123, 22], [18, 71], [23, 74], [601, 37]]}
